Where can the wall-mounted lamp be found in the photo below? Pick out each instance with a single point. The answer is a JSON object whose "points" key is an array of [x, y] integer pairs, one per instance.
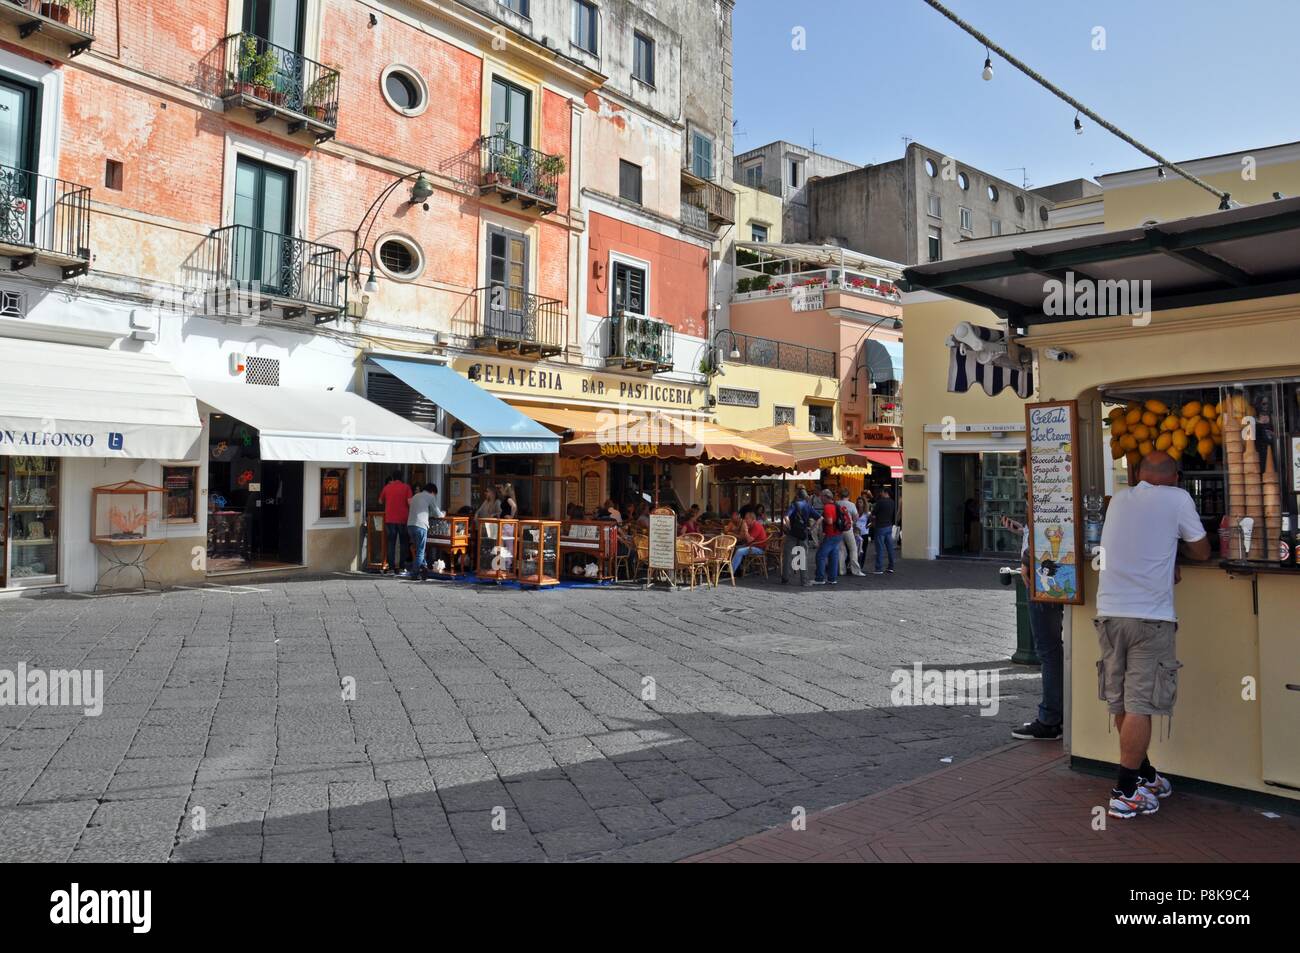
{"points": [[421, 189]]}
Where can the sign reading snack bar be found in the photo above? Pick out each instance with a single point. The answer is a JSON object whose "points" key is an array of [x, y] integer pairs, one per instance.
{"points": [[509, 379], [1055, 542]]}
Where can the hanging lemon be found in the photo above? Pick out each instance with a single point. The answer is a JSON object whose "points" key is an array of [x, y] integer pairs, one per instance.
{"points": [[1156, 407], [1164, 441], [1191, 409], [1202, 429], [1205, 448], [1116, 450], [1134, 416], [1128, 442], [1118, 428], [1180, 440]]}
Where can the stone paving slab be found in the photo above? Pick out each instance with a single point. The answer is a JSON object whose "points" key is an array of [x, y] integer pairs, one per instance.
{"points": [[355, 718]]}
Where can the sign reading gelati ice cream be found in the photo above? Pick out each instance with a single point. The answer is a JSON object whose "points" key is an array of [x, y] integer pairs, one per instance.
{"points": [[1054, 544], [531, 380]]}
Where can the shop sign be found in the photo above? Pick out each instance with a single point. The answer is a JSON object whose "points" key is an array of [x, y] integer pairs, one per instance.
{"points": [[825, 463], [629, 449], [663, 539], [1055, 546], [518, 380], [55, 439]]}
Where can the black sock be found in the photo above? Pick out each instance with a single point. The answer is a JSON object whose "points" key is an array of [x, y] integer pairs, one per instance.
{"points": [[1147, 771], [1128, 781]]}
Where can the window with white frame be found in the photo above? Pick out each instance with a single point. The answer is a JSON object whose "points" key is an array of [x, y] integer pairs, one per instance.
{"points": [[967, 220], [757, 233], [518, 6], [995, 226], [933, 206]]}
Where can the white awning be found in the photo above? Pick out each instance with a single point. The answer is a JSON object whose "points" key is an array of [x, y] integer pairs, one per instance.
{"points": [[323, 425], [66, 400]]}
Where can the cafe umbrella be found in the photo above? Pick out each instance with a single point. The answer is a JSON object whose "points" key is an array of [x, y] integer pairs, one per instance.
{"points": [[809, 450], [656, 436]]}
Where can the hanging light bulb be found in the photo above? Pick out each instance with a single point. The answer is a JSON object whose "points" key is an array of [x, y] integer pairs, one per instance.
{"points": [[1160, 172], [1078, 126], [372, 283], [988, 66]]}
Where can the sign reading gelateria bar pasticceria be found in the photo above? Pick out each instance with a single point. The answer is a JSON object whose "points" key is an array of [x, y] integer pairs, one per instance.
{"points": [[508, 378]]}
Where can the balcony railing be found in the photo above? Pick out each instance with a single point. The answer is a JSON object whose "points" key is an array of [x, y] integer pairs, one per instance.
{"points": [[694, 217], [753, 283], [42, 218], [507, 319], [271, 80], [779, 355], [515, 171], [261, 270], [72, 20], [641, 343], [717, 203], [887, 411]]}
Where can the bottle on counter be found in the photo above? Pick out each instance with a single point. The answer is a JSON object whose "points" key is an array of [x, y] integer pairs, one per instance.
{"points": [[1286, 543]]}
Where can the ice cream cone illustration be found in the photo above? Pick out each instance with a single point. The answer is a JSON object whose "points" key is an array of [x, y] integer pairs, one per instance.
{"points": [[1054, 535]]}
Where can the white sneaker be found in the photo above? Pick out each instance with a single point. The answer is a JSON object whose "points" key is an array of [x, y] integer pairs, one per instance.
{"points": [[1160, 787], [1142, 802]]}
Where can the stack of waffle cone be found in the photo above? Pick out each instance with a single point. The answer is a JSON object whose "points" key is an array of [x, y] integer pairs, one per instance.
{"points": [[1272, 501], [1253, 489], [1234, 454]]}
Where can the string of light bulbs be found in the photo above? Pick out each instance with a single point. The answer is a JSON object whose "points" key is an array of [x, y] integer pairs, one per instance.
{"points": [[990, 47]]}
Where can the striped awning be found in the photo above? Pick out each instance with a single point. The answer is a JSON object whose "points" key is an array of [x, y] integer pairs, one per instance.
{"points": [[967, 367]]}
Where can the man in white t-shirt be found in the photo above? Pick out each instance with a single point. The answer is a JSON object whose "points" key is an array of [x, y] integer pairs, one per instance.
{"points": [[1138, 673]]}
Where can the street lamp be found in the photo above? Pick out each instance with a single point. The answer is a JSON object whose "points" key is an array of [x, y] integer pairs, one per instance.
{"points": [[715, 364]]}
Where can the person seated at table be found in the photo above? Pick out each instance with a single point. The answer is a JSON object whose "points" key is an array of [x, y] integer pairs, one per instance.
{"points": [[609, 511], [735, 526], [754, 541], [642, 516], [760, 513], [690, 522], [746, 510]]}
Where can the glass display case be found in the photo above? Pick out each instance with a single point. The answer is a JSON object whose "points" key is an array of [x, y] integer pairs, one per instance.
{"points": [[1238, 448], [126, 514], [29, 530], [449, 541], [375, 555], [588, 549], [539, 552], [496, 551]]}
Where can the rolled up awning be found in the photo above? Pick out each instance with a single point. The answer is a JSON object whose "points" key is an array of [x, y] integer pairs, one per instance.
{"points": [[323, 425], [67, 400], [885, 360], [890, 458], [501, 428]]}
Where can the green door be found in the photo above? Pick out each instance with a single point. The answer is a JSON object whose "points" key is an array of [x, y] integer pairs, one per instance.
{"points": [[18, 192], [263, 252]]}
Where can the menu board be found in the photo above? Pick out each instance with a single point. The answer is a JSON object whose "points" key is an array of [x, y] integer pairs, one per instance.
{"points": [[663, 539], [1055, 540]]}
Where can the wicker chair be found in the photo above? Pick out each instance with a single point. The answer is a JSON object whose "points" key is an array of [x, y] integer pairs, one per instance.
{"points": [[772, 551], [719, 550], [691, 560], [642, 542]]}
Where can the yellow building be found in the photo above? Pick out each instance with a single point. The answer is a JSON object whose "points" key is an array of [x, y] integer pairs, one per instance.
{"points": [[758, 215], [1212, 316]]}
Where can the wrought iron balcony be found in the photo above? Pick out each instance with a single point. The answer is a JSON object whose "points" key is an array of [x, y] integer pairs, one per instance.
{"points": [[640, 343], [72, 21], [779, 355], [509, 320], [887, 411], [250, 270], [515, 171], [717, 203], [248, 72], [44, 220]]}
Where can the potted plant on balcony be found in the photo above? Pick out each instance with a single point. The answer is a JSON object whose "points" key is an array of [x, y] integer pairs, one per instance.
{"points": [[56, 10], [320, 94], [549, 171]]}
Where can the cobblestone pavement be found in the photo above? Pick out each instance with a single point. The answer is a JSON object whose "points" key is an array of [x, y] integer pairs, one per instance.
{"points": [[224, 711]]}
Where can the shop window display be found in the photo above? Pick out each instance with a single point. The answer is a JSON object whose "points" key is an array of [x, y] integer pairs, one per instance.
{"points": [[29, 493]]}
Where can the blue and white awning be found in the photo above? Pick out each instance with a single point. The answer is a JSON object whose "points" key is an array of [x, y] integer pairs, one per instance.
{"points": [[970, 363]]}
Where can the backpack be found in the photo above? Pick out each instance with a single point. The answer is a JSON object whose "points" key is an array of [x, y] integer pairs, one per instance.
{"points": [[843, 524], [798, 523]]}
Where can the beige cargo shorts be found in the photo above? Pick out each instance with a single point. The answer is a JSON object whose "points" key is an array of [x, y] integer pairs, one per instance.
{"points": [[1138, 669]]}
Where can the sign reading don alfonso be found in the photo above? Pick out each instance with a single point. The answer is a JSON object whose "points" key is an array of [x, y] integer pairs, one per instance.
{"points": [[1055, 543], [507, 378]]}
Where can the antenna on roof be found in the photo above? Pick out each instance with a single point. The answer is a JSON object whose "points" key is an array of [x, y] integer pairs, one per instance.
{"points": [[1024, 175]]}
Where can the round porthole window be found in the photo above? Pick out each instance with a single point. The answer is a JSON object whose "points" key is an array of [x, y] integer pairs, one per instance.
{"points": [[993, 193], [399, 257], [404, 89], [963, 180], [1020, 203], [1042, 212], [930, 168]]}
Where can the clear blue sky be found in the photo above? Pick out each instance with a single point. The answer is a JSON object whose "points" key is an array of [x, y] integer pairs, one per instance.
{"points": [[1189, 78]]}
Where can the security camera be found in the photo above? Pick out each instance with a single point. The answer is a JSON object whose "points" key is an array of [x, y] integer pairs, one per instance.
{"points": [[1058, 354]]}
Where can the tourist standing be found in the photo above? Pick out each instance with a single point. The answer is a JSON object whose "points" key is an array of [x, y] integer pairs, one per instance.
{"points": [[800, 522], [1135, 619], [395, 498], [882, 530], [828, 553], [849, 552], [423, 508]]}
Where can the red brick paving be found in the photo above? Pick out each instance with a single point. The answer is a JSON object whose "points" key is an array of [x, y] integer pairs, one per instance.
{"points": [[963, 813]]}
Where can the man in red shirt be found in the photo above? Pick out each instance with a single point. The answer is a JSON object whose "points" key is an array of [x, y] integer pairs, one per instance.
{"points": [[755, 540], [828, 553], [395, 498]]}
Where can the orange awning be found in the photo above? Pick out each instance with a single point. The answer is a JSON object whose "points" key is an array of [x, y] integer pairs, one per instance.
{"points": [[657, 436], [579, 422], [810, 451]]}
